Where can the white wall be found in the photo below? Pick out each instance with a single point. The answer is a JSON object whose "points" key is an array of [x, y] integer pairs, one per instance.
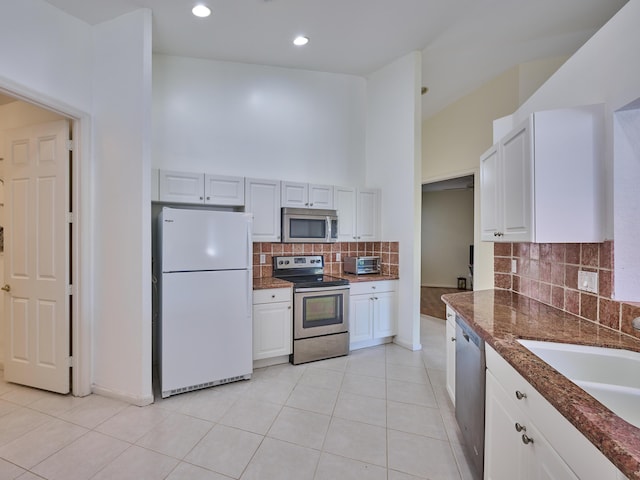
{"points": [[121, 186], [260, 121], [394, 166], [15, 115], [447, 232], [101, 76], [606, 70], [47, 51]]}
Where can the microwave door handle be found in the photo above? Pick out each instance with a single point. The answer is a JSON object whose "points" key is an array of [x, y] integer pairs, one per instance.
{"points": [[328, 235]]}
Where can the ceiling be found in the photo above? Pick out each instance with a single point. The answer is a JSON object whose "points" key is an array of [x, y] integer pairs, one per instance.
{"points": [[464, 43]]}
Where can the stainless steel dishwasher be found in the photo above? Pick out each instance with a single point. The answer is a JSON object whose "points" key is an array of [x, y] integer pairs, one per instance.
{"points": [[470, 392]]}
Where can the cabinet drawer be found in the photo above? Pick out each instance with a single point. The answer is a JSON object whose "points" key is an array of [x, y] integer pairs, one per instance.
{"points": [[361, 288], [272, 295]]}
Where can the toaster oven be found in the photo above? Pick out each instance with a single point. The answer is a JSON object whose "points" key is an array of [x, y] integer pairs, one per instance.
{"points": [[362, 265]]}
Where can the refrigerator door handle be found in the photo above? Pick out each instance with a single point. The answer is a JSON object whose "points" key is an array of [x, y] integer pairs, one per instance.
{"points": [[249, 293], [249, 246]]}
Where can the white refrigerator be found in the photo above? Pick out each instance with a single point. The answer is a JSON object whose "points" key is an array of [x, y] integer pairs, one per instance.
{"points": [[205, 286]]}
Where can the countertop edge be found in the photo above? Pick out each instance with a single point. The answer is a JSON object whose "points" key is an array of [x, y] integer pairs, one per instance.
{"points": [[263, 283], [618, 440]]}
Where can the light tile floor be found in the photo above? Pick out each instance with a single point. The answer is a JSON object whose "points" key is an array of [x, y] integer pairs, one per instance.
{"points": [[380, 413]]}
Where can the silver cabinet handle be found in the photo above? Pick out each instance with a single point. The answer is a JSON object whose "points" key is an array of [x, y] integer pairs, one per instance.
{"points": [[520, 395], [526, 440], [520, 428]]}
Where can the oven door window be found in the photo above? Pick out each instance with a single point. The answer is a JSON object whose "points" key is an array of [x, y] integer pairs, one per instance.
{"points": [[308, 228], [322, 310]]}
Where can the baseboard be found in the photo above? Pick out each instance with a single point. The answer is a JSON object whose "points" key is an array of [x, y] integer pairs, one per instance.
{"points": [[267, 362], [408, 345], [369, 343], [139, 401]]}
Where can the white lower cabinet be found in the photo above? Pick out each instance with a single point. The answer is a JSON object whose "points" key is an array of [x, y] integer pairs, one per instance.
{"points": [[450, 346], [372, 312], [527, 438], [272, 323]]}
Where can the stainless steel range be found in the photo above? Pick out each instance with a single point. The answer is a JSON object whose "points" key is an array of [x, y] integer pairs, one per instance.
{"points": [[320, 308]]}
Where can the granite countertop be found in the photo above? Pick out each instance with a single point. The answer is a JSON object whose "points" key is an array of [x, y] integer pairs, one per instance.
{"points": [[501, 317], [271, 282], [370, 277]]}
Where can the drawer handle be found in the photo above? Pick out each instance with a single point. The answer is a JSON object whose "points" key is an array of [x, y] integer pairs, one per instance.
{"points": [[526, 440], [273, 296], [453, 339], [520, 428], [520, 395]]}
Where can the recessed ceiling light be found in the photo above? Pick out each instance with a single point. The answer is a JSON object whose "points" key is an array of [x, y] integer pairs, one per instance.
{"points": [[300, 40], [201, 11]]}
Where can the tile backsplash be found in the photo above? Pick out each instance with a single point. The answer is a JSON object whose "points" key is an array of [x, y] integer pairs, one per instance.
{"points": [[387, 251], [548, 272]]}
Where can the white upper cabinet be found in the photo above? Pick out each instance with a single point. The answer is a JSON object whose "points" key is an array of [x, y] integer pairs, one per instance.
{"points": [[262, 199], [224, 190], [307, 195], [186, 187], [181, 187], [542, 182], [358, 213]]}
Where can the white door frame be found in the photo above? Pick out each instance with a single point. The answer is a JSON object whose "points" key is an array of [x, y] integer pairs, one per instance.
{"points": [[81, 233]]}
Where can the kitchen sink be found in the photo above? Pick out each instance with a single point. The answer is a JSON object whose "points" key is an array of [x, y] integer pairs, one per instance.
{"points": [[610, 375]]}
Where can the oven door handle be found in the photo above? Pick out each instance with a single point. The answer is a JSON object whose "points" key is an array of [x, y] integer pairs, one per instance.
{"points": [[321, 289]]}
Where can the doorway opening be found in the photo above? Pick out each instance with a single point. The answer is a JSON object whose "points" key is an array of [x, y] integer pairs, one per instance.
{"points": [[447, 248], [23, 112]]}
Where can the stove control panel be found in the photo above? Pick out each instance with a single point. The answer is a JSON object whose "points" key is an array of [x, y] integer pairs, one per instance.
{"points": [[299, 261]]}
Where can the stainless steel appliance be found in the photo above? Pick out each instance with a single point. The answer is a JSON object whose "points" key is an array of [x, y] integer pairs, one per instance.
{"points": [[309, 225], [362, 265], [470, 391], [320, 308]]}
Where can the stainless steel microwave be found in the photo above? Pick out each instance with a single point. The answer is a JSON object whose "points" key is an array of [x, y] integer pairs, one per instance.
{"points": [[309, 225]]}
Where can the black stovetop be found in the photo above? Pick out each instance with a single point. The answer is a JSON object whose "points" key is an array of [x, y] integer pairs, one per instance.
{"points": [[308, 281], [305, 271]]}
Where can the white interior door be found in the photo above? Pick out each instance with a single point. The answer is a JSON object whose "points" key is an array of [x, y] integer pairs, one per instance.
{"points": [[36, 327]]}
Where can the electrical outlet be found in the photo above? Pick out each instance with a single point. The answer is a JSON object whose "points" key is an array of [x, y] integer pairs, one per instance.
{"points": [[588, 281], [338, 256], [514, 265], [263, 258]]}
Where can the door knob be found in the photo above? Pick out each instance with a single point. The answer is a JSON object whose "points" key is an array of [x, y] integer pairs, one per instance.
{"points": [[7, 287]]}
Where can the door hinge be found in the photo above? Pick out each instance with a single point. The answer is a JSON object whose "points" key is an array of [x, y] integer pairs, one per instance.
{"points": [[69, 217], [69, 289], [70, 145], [71, 362]]}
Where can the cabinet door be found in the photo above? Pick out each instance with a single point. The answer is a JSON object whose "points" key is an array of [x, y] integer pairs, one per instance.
{"points": [[451, 355], [368, 213], [517, 179], [544, 461], [295, 195], [505, 456], [384, 314], [344, 201], [181, 187], [490, 203], [321, 196], [360, 318], [262, 199], [223, 190], [272, 325]]}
